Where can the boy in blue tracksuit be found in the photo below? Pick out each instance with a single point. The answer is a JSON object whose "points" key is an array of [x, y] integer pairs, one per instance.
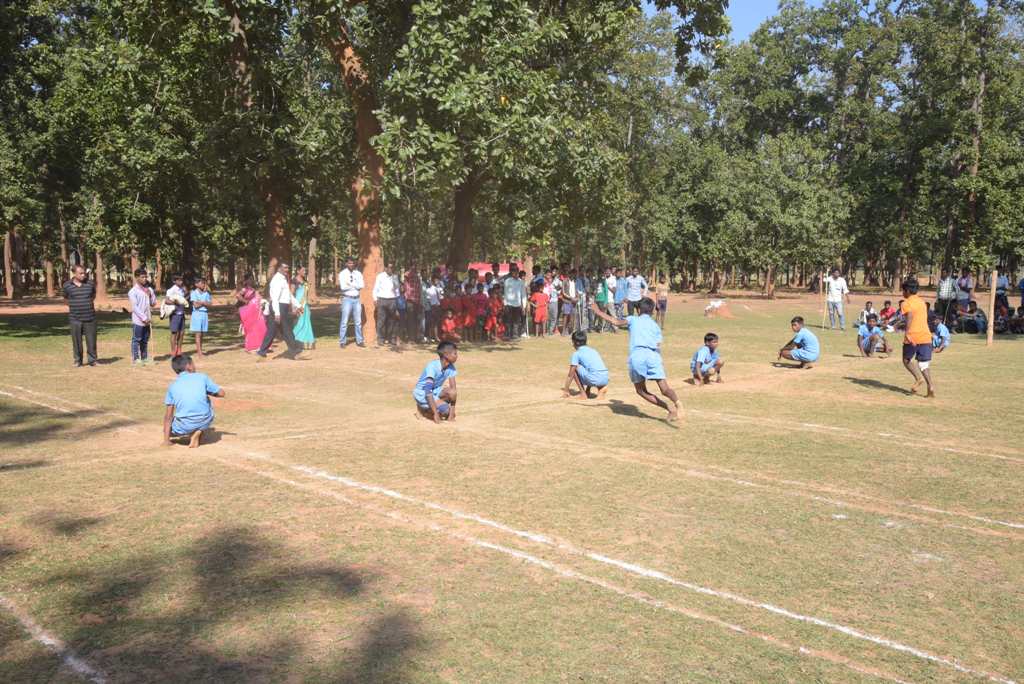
{"points": [[804, 347], [706, 362], [871, 337], [188, 411], [586, 368], [645, 355], [434, 392], [941, 338]]}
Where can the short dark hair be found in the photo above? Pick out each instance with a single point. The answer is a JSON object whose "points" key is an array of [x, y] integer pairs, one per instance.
{"points": [[646, 306], [180, 362], [348, 259], [178, 276], [872, 317], [797, 319], [200, 279], [140, 272], [579, 338], [710, 337], [445, 347], [911, 285]]}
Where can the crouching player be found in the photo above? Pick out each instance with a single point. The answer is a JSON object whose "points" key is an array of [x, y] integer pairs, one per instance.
{"points": [[871, 338], [940, 335], [586, 369], [705, 362], [189, 412], [804, 347], [433, 399]]}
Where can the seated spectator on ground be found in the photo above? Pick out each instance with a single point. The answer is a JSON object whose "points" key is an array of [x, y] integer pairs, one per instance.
{"points": [[886, 315], [869, 310], [1001, 324], [973, 320], [1017, 321]]}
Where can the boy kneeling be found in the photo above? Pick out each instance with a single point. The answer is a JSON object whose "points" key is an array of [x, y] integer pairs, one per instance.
{"points": [[586, 368], [871, 338], [189, 412], [433, 399], [804, 346], [705, 362]]}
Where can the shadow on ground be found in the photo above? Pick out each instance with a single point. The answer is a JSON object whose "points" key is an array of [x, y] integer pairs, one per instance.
{"points": [[875, 384], [30, 425], [138, 620]]}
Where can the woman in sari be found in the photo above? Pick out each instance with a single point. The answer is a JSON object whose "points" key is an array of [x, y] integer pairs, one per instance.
{"points": [[303, 329], [250, 311]]}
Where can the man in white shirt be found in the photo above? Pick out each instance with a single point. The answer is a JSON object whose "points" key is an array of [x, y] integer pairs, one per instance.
{"points": [[280, 318], [350, 280], [385, 297], [836, 291], [513, 303]]}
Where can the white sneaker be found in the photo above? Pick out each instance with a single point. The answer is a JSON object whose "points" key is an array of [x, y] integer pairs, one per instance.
{"points": [[524, 335]]}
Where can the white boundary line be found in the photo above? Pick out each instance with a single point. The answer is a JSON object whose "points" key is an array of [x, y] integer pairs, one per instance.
{"points": [[634, 569], [631, 568], [68, 658], [569, 573]]}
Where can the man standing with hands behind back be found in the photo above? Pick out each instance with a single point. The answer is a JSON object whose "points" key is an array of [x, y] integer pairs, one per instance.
{"points": [[350, 280], [81, 294]]}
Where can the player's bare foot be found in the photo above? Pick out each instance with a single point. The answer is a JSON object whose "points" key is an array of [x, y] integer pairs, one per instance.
{"points": [[673, 413], [193, 441], [718, 379], [930, 395], [916, 387], [566, 394], [602, 391], [806, 366]]}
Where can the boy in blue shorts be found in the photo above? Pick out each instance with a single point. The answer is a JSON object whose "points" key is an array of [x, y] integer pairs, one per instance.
{"points": [[188, 412], [434, 400], [705, 362], [941, 338], [586, 368], [645, 355], [871, 337], [804, 347]]}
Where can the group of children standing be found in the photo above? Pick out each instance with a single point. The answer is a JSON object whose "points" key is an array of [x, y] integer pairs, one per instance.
{"points": [[143, 299]]}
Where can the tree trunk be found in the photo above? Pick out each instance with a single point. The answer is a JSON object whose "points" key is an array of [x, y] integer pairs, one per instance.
{"points": [[460, 248], [366, 185], [277, 236], [334, 273], [134, 261], [716, 280], [977, 108], [100, 276], [158, 276], [65, 266], [769, 282], [48, 277], [311, 271], [10, 275]]}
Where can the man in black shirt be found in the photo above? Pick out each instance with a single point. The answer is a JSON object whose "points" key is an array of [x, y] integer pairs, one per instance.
{"points": [[80, 294]]}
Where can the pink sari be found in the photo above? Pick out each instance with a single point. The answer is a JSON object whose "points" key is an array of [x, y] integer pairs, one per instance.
{"points": [[253, 323]]}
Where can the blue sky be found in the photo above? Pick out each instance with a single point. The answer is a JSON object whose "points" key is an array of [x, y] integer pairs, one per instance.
{"points": [[747, 15]]}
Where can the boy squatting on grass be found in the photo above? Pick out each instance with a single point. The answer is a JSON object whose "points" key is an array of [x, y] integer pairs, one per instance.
{"points": [[871, 338], [645, 355], [188, 412], [586, 368], [433, 399], [804, 346], [705, 362]]}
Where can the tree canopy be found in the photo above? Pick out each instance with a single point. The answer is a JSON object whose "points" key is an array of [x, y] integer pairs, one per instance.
{"points": [[219, 134]]}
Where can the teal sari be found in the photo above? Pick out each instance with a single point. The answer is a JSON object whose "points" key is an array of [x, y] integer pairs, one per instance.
{"points": [[303, 329]]}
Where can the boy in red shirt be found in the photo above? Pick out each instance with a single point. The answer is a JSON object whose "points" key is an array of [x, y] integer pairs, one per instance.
{"points": [[495, 306], [539, 302], [481, 303], [449, 331]]}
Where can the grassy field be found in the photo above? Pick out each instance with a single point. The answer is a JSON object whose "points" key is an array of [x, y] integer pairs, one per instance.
{"points": [[817, 525]]}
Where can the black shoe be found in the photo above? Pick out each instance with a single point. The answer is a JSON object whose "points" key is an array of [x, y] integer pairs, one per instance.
{"points": [[361, 345]]}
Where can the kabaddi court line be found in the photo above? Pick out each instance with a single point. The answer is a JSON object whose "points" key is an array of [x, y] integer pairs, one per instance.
{"points": [[67, 657], [630, 568], [735, 477], [739, 478], [569, 573]]}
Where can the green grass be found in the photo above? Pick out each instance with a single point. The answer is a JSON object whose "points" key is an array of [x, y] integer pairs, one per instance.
{"points": [[830, 493]]}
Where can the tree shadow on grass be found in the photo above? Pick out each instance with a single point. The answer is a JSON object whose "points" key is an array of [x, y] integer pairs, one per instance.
{"points": [[38, 325], [875, 384], [23, 465], [139, 620], [63, 524], [31, 425]]}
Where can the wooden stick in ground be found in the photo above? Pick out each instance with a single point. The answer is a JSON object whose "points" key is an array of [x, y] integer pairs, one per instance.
{"points": [[992, 309]]}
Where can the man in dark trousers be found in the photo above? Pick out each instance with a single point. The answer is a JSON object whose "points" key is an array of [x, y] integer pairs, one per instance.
{"points": [[81, 293]]}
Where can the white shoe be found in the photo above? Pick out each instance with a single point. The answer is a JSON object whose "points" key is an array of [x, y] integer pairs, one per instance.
{"points": [[524, 335]]}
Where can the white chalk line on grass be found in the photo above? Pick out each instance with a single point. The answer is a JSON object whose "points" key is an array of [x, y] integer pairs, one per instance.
{"points": [[569, 573], [738, 478], [733, 477], [629, 567], [53, 644], [635, 569]]}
